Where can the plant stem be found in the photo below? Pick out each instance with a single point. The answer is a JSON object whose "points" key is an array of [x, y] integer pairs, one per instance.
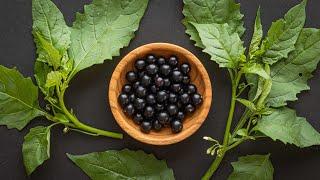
{"points": [[215, 164], [80, 125]]}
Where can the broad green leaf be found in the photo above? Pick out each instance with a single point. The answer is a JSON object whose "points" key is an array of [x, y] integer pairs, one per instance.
{"points": [[18, 99], [284, 125], [49, 22], [255, 68], [252, 167], [211, 11], [50, 54], [250, 105], [53, 79], [257, 36], [103, 29], [283, 34], [41, 71], [290, 76], [124, 164], [224, 47], [36, 148]]}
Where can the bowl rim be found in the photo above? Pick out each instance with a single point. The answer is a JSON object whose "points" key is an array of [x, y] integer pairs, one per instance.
{"points": [[142, 137]]}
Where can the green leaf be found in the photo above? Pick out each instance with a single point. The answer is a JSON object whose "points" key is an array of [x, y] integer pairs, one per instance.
{"points": [[18, 99], [211, 11], [36, 148], [253, 167], [250, 105], [283, 34], [41, 71], [103, 29], [290, 76], [255, 68], [124, 164], [49, 22], [257, 36], [224, 47], [50, 54], [283, 124], [53, 79], [242, 132]]}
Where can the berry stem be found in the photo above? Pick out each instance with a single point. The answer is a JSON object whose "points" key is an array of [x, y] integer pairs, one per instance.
{"points": [[215, 164], [82, 126]]}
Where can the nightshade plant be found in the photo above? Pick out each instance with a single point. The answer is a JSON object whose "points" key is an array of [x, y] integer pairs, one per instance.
{"points": [[276, 68], [96, 35]]}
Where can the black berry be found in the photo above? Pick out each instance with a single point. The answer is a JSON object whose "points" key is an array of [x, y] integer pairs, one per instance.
{"points": [[139, 104], [145, 80], [172, 109], [123, 99], [129, 109], [165, 70], [185, 68], [140, 64], [173, 61], [160, 61], [157, 125], [146, 126], [189, 108], [163, 118], [151, 59], [152, 69], [138, 118], [131, 76], [150, 99], [148, 112], [176, 126], [162, 96], [176, 76], [196, 99], [141, 91], [191, 89], [184, 98]]}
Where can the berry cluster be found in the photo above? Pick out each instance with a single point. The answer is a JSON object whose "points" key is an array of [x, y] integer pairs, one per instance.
{"points": [[159, 93]]}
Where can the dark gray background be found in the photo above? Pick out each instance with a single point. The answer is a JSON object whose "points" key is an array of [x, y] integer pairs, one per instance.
{"points": [[161, 23]]}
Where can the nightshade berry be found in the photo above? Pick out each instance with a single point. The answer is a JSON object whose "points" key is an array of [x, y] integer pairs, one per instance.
{"points": [[159, 93]]}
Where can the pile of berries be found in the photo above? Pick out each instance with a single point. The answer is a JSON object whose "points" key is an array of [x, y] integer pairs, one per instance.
{"points": [[159, 93]]}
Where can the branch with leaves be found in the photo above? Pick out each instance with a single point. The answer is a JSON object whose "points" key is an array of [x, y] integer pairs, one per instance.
{"points": [[96, 35], [275, 68]]}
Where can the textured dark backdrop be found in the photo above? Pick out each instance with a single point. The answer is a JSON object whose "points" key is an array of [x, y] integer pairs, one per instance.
{"points": [[87, 96]]}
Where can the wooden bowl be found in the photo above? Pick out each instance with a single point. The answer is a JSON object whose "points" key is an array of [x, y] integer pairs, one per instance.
{"points": [[198, 76]]}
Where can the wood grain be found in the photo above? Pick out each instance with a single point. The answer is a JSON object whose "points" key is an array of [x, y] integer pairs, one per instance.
{"points": [[198, 76]]}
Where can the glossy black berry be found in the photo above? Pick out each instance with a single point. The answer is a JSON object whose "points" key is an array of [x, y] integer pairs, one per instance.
{"points": [[166, 82], [129, 109], [160, 61], [191, 89], [151, 59], [159, 107], [176, 126], [176, 76], [186, 80], [154, 89], [189, 108], [127, 88], [131, 76], [146, 126], [136, 85], [139, 104], [141, 74], [152, 69], [140, 64], [173, 61], [173, 98], [180, 116], [123, 99], [159, 82], [196, 99], [163, 118], [165, 70], [184, 98], [185, 68], [141, 91], [138, 118], [176, 88], [148, 112], [172, 109], [162, 96], [151, 99], [145, 80], [132, 97], [157, 125]]}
